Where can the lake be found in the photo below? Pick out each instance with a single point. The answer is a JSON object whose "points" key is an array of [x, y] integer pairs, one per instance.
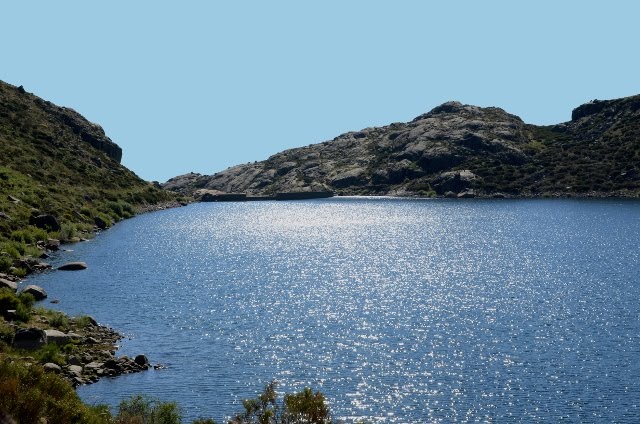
{"points": [[397, 310]]}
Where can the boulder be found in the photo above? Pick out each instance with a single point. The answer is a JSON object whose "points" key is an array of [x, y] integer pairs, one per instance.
{"points": [[52, 244], [45, 222], [141, 360], [467, 194], [100, 223], [8, 284], [74, 336], [29, 338], [285, 167], [73, 266], [455, 181], [93, 366], [41, 266], [112, 364], [51, 367], [36, 291], [10, 315], [73, 360], [75, 370], [353, 177], [57, 337]]}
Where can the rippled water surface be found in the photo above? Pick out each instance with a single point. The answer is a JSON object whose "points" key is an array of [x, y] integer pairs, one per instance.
{"points": [[397, 310]]}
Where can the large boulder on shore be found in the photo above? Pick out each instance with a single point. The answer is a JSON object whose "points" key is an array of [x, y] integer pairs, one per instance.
{"points": [[51, 367], [46, 222], [8, 284], [73, 266], [101, 223], [29, 338], [142, 361], [36, 291], [57, 337]]}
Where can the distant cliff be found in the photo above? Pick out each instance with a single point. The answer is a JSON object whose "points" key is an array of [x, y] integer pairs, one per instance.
{"points": [[456, 150]]}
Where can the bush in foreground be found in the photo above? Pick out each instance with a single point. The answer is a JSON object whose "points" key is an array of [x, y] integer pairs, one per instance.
{"points": [[28, 394]]}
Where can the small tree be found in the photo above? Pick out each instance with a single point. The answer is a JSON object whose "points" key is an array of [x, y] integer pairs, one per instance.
{"points": [[304, 407]]}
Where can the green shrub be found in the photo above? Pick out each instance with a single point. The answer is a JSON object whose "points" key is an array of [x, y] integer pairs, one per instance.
{"points": [[8, 300], [49, 353], [30, 394], [5, 264], [19, 272], [67, 231], [29, 235], [82, 321], [302, 407], [120, 209], [14, 248], [143, 409], [6, 334], [20, 303], [306, 407], [59, 320]]}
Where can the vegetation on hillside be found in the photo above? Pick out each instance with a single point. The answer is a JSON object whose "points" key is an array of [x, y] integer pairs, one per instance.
{"points": [[54, 162]]}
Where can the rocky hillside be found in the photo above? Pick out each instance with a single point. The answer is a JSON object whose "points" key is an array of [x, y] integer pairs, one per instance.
{"points": [[456, 150], [60, 175]]}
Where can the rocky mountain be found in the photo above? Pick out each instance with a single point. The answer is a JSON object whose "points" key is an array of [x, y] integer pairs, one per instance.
{"points": [[456, 150], [56, 164]]}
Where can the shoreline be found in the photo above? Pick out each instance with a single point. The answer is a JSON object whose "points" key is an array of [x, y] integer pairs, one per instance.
{"points": [[83, 351]]}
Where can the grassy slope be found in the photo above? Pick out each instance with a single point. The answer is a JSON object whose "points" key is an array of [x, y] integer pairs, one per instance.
{"points": [[50, 167]]}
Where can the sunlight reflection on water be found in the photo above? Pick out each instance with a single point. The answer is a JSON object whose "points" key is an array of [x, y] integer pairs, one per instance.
{"points": [[398, 310]]}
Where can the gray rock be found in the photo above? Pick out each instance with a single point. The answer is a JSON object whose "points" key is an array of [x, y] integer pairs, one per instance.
{"points": [[93, 366], [73, 336], [455, 181], [52, 244], [36, 291], [467, 194], [353, 177], [285, 167], [8, 284], [57, 337], [75, 370], [51, 367], [73, 266], [29, 338]]}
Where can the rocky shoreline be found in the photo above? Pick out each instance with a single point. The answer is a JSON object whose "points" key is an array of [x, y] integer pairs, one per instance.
{"points": [[85, 353], [79, 349]]}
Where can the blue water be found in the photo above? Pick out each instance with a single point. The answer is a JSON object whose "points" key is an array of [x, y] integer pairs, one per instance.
{"points": [[397, 310]]}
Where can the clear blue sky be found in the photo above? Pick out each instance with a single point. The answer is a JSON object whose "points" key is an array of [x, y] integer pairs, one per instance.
{"points": [[204, 85]]}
